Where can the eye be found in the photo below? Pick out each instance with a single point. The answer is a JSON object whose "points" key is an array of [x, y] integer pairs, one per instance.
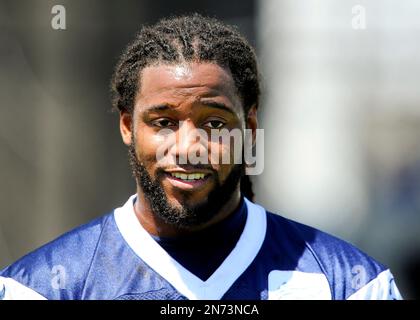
{"points": [[214, 124], [163, 123]]}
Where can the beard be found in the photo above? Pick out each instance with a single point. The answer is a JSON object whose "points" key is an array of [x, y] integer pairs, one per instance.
{"points": [[187, 215]]}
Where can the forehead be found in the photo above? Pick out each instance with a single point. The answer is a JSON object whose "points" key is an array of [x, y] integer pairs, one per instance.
{"points": [[187, 80]]}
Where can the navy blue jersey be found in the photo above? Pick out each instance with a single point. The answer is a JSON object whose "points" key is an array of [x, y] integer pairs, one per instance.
{"points": [[113, 257]]}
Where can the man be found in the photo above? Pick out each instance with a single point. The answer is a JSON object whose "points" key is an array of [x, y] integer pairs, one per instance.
{"points": [[192, 231]]}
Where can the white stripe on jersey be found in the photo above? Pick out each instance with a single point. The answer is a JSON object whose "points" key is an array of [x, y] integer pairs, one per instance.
{"points": [[10, 289], [180, 278], [381, 288]]}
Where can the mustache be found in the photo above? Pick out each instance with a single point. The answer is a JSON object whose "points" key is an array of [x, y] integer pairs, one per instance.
{"points": [[160, 172]]}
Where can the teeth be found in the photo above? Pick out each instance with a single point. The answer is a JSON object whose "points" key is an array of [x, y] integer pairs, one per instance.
{"points": [[191, 176]]}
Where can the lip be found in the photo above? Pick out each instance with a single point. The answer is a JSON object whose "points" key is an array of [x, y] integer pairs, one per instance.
{"points": [[192, 170], [192, 185]]}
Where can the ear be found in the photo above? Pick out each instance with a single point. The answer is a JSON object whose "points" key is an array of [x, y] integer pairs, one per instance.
{"points": [[252, 122], [126, 121]]}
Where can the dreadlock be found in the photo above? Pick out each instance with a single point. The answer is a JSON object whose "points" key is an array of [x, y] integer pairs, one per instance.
{"points": [[188, 38]]}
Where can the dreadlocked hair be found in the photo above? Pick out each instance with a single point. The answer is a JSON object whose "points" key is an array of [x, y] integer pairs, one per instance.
{"points": [[187, 38]]}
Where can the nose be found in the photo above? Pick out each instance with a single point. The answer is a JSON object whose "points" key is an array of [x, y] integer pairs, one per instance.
{"points": [[187, 142]]}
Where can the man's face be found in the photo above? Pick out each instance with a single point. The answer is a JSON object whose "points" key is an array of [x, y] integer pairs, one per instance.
{"points": [[183, 98]]}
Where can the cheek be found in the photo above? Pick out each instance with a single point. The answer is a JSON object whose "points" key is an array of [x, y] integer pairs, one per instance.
{"points": [[224, 171], [225, 152], [147, 144], [223, 158]]}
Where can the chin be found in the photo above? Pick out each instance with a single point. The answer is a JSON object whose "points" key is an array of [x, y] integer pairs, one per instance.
{"points": [[182, 201]]}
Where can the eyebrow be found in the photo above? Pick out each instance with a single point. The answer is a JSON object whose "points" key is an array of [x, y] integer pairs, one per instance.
{"points": [[160, 107], [213, 104], [218, 105]]}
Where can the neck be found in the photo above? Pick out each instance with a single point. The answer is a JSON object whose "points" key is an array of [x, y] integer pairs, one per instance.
{"points": [[156, 226]]}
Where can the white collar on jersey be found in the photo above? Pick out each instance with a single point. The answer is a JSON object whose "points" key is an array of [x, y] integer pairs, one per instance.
{"points": [[180, 278]]}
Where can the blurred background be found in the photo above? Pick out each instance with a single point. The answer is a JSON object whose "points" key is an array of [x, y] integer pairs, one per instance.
{"points": [[340, 110]]}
